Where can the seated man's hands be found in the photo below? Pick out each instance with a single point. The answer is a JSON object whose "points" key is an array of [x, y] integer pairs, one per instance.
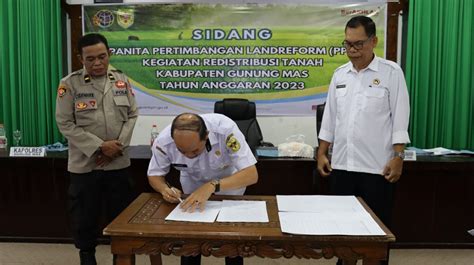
{"points": [[198, 198], [171, 194]]}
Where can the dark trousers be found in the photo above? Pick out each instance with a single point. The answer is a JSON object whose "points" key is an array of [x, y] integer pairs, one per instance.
{"points": [[376, 191], [196, 260], [88, 194]]}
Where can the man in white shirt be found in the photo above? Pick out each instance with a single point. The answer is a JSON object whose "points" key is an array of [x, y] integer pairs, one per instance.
{"points": [[366, 121], [212, 156]]}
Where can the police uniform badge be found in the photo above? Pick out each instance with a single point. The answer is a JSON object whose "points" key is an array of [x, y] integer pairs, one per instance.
{"points": [[61, 91], [92, 103], [376, 81], [81, 105], [232, 143], [120, 84]]}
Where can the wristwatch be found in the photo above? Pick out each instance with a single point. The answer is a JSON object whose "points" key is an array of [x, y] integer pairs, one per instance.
{"points": [[399, 154], [217, 185]]}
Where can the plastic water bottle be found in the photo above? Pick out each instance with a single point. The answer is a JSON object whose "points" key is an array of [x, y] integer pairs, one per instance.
{"points": [[3, 138], [154, 134]]}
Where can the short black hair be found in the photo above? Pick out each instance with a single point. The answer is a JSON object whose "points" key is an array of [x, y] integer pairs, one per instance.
{"points": [[91, 39], [189, 122], [366, 22]]}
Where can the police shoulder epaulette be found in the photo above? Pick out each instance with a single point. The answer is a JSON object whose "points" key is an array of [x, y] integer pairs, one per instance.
{"points": [[78, 72], [111, 77], [87, 78], [116, 70]]}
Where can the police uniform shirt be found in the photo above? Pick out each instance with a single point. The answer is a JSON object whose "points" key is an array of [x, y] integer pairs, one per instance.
{"points": [[366, 113], [227, 152], [89, 113]]}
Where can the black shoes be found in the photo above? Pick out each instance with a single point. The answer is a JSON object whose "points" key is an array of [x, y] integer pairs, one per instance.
{"points": [[87, 257]]}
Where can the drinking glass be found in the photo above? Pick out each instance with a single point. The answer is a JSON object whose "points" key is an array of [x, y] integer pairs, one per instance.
{"points": [[17, 137]]}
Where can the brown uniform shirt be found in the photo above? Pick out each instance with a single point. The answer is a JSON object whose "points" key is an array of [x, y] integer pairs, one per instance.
{"points": [[89, 113]]}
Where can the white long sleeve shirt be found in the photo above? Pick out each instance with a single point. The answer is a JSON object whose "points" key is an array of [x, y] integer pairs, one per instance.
{"points": [[218, 161], [366, 113]]}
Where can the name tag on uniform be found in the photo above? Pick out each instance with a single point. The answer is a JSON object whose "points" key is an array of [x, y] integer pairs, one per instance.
{"points": [[179, 165], [121, 92], [84, 95], [341, 86]]}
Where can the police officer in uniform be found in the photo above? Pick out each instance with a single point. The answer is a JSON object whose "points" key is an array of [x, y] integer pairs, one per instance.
{"points": [[96, 111], [212, 156]]}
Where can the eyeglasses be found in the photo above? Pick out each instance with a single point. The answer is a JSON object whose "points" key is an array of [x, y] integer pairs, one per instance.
{"points": [[357, 44]]}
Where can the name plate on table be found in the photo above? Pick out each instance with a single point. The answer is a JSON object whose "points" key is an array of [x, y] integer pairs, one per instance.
{"points": [[28, 151]]}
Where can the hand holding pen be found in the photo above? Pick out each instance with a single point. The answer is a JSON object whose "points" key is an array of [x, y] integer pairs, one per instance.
{"points": [[173, 196]]}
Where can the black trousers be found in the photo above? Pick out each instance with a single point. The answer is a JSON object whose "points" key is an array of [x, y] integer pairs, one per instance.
{"points": [[196, 260], [88, 194], [376, 191]]}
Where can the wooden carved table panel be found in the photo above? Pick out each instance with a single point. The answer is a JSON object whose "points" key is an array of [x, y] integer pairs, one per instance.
{"points": [[142, 229]]}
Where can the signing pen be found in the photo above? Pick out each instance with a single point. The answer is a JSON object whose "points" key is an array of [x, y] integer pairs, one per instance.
{"points": [[172, 189]]}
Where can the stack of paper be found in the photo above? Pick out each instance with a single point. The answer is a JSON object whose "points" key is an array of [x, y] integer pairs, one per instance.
{"points": [[207, 216], [227, 210], [243, 211], [442, 151], [438, 151], [325, 215]]}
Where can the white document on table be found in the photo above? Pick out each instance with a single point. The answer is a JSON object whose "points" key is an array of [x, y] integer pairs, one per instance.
{"points": [[325, 215], [304, 223], [243, 211], [209, 214], [318, 203]]}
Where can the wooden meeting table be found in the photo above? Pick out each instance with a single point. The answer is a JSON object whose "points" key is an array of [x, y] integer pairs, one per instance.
{"points": [[141, 229]]}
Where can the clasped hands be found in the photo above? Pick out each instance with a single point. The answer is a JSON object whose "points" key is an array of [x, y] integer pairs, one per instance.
{"points": [[109, 150], [196, 200]]}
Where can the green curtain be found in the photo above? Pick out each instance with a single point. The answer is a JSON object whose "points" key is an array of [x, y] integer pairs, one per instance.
{"points": [[30, 68], [440, 73]]}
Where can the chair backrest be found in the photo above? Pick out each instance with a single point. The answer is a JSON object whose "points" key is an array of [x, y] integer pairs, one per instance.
{"points": [[244, 113], [319, 116]]}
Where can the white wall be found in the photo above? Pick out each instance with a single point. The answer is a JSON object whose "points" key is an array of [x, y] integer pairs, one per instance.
{"points": [[274, 129]]}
